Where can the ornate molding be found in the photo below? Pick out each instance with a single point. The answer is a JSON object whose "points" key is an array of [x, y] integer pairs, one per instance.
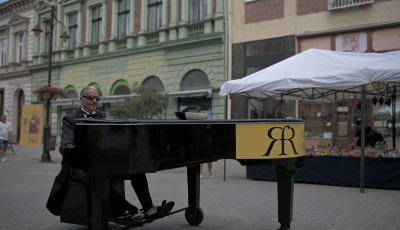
{"points": [[12, 7]]}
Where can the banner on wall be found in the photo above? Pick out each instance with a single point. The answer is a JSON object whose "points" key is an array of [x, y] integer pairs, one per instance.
{"points": [[31, 127]]}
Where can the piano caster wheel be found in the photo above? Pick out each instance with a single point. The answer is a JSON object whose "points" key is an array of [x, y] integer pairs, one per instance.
{"points": [[194, 215]]}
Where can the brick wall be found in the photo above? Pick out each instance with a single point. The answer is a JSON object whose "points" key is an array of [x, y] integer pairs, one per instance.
{"points": [[311, 6], [263, 10]]}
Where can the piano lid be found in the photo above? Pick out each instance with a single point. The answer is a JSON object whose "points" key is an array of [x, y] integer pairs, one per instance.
{"points": [[227, 121]]}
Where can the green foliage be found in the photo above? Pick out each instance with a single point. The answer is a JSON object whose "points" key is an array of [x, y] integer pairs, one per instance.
{"points": [[147, 104]]}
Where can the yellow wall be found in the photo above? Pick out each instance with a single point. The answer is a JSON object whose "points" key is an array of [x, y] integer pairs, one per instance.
{"points": [[132, 68]]}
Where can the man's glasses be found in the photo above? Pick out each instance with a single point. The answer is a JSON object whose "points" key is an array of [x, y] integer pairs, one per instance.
{"points": [[91, 98]]}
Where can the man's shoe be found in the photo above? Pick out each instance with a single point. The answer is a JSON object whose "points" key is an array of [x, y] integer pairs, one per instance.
{"points": [[137, 220], [129, 219], [158, 212]]}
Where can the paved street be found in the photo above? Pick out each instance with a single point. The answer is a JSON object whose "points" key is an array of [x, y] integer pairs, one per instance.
{"points": [[233, 204]]}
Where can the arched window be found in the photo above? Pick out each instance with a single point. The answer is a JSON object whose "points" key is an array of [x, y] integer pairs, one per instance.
{"points": [[70, 92], [120, 87], [156, 82], [195, 79]]}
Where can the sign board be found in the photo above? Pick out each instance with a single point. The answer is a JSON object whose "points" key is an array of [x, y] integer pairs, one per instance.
{"points": [[269, 141], [31, 125]]}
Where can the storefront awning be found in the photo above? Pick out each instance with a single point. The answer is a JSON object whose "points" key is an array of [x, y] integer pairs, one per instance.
{"points": [[192, 93], [65, 102], [119, 98], [76, 101]]}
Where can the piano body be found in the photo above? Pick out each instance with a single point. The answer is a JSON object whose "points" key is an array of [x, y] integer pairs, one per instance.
{"points": [[115, 147]]}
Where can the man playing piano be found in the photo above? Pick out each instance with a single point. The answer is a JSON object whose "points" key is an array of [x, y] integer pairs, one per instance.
{"points": [[120, 208]]}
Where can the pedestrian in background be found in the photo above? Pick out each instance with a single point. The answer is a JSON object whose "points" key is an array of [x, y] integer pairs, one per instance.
{"points": [[371, 137], [209, 165], [6, 135]]}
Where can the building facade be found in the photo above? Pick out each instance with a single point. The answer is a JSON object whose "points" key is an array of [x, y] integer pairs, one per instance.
{"points": [[264, 32], [16, 45], [176, 45]]}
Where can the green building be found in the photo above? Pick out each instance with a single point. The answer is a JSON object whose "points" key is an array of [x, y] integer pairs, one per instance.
{"points": [[179, 46]]}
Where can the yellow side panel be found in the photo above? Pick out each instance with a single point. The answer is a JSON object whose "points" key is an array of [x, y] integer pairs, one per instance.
{"points": [[269, 141]]}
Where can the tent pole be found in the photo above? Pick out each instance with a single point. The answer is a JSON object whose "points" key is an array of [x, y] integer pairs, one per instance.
{"points": [[362, 157], [224, 169]]}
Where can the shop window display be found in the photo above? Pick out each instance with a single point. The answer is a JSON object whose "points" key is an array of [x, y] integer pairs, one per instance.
{"points": [[387, 123], [332, 127]]}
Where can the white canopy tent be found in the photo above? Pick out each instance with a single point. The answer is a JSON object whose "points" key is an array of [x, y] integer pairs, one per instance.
{"points": [[321, 74], [315, 73]]}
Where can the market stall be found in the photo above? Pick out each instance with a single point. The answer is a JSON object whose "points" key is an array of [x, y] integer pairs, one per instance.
{"points": [[338, 94], [380, 173]]}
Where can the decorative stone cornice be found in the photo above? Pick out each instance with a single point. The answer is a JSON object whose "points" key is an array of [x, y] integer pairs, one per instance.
{"points": [[12, 7], [17, 19]]}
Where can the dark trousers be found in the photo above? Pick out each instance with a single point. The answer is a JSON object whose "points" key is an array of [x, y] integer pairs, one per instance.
{"points": [[118, 203]]}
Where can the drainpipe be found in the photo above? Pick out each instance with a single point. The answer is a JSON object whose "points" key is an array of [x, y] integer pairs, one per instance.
{"points": [[228, 45]]}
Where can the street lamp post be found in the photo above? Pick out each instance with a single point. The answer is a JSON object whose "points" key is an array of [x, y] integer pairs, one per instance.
{"points": [[47, 127]]}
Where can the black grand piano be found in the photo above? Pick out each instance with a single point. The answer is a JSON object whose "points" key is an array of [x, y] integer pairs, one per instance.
{"points": [[131, 146]]}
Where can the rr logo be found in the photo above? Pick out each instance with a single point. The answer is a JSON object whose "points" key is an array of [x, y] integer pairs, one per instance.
{"points": [[281, 138]]}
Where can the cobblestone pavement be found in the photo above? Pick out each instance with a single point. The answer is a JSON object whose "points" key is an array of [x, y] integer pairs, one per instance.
{"points": [[233, 204]]}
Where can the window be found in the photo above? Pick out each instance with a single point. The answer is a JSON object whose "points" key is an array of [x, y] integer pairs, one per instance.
{"points": [[198, 10], [3, 50], [155, 14], [97, 13], [156, 82], [195, 79], [47, 34], [122, 90], [272, 46], [123, 17], [70, 94], [121, 87], [73, 30], [20, 48]]}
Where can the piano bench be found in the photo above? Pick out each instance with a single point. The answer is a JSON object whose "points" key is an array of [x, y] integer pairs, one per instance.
{"points": [[75, 207]]}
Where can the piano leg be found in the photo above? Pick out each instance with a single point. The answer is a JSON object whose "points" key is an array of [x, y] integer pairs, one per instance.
{"points": [[100, 196], [285, 196], [194, 215], [193, 177]]}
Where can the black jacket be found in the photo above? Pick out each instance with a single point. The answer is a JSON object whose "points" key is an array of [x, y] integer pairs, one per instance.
{"points": [[59, 190], [370, 140]]}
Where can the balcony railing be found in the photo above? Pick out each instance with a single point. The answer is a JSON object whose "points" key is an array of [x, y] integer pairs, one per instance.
{"points": [[153, 38], [189, 30], [121, 44], [339, 4], [196, 29]]}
